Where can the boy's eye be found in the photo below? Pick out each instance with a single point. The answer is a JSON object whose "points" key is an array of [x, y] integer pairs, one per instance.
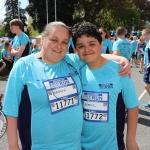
{"points": [[92, 44], [80, 46]]}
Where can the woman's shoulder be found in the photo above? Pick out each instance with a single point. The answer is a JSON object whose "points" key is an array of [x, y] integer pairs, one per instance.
{"points": [[74, 59]]}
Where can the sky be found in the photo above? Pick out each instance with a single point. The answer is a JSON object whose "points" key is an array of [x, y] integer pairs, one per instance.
{"points": [[24, 3]]}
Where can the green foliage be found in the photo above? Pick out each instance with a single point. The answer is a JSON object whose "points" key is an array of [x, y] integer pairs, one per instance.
{"points": [[33, 33], [37, 10], [11, 7], [100, 12], [2, 32], [113, 14]]}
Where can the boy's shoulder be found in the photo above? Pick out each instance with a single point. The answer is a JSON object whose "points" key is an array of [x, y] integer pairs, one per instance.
{"points": [[113, 64]]}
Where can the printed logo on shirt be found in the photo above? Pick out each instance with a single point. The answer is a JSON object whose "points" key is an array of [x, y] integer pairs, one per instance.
{"points": [[106, 86]]}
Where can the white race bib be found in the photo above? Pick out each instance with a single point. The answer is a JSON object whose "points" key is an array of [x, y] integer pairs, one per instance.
{"points": [[95, 106], [62, 93]]}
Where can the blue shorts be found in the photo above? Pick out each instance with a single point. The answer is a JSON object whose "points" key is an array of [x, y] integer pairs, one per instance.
{"points": [[146, 77]]}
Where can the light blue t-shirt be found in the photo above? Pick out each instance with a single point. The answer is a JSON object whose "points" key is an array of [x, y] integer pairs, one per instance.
{"points": [[34, 50], [101, 88], [30, 51], [70, 44], [6, 53], [134, 45], [124, 46], [55, 97], [147, 54], [1, 46], [106, 44], [22, 39]]}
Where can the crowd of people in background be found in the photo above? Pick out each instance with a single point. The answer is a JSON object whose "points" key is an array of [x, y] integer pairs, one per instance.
{"points": [[52, 63], [108, 38]]}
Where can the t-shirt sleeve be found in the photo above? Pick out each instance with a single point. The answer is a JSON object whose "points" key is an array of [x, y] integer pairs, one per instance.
{"points": [[116, 46], [146, 61], [4, 52], [72, 44], [129, 93], [24, 40], [13, 91], [110, 45], [77, 62]]}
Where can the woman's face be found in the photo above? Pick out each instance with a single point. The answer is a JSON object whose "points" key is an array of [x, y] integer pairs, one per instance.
{"points": [[142, 40], [55, 45], [103, 34]]}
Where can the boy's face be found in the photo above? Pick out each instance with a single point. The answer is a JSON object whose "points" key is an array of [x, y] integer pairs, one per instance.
{"points": [[14, 28], [88, 48]]}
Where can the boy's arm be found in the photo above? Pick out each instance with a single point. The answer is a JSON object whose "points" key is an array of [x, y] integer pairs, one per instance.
{"points": [[126, 70], [132, 121], [131, 102], [18, 52]]}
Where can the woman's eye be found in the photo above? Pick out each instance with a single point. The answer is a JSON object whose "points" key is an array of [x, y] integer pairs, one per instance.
{"points": [[53, 40], [80, 46]]}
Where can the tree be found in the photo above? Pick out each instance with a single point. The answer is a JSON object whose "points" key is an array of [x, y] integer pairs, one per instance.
{"points": [[11, 7], [109, 15], [2, 31], [32, 32], [37, 10], [144, 9], [99, 12]]}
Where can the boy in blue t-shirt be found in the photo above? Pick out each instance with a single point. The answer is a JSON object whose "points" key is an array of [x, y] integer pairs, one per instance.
{"points": [[101, 87], [6, 56], [20, 47]]}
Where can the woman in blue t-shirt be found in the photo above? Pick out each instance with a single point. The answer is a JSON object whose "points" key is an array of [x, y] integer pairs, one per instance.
{"points": [[140, 52], [107, 44]]}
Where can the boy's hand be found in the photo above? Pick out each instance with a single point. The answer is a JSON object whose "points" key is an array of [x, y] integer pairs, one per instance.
{"points": [[132, 145], [126, 70]]}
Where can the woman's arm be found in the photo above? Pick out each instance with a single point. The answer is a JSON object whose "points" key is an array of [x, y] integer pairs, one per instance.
{"points": [[12, 135]]}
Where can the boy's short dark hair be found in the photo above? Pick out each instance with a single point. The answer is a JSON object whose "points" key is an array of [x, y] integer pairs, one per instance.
{"points": [[16, 22], [86, 28]]}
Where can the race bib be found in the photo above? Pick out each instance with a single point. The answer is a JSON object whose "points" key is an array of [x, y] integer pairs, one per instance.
{"points": [[62, 93], [95, 106]]}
